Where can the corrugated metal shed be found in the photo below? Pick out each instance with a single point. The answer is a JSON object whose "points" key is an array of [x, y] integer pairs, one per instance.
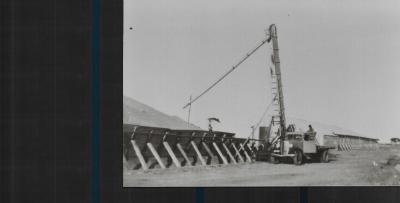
{"points": [[326, 133]]}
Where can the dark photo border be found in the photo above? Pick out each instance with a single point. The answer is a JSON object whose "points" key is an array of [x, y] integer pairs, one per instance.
{"points": [[61, 111]]}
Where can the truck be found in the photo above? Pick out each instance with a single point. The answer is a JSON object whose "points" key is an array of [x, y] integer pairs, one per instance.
{"points": [[301, 146]]}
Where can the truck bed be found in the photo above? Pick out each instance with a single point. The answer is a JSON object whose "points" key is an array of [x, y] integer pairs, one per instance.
{"points": [[324, 147]]}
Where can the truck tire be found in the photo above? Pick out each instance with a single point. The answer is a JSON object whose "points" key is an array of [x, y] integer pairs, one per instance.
{"points": [[298, 158], [324, 156], [274, 160]]}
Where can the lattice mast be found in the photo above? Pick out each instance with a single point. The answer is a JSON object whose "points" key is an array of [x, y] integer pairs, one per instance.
{"points": [[278, 93]]}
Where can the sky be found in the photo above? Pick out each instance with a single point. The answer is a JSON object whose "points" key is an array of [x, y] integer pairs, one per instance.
{"points": [[340, 61]]}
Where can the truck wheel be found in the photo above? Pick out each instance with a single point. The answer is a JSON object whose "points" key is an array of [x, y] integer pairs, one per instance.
{"points": [[298, 157], [274, 160], [324, 156]]}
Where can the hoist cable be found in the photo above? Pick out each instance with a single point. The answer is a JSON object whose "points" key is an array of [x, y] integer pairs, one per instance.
{"points": [[263, 116], [227, 73]]}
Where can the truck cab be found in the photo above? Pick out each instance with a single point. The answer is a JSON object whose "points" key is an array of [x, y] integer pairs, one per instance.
{"points": [[299, 146], [304, 141]]}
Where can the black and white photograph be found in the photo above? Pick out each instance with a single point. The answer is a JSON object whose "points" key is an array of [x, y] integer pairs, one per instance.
{"points": [[261, 93]]}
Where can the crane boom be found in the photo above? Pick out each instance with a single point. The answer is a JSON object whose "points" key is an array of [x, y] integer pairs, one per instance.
{"points": [[227, 73]]}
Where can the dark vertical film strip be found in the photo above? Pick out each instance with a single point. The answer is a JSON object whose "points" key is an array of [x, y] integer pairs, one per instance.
{"points": [[199, 195], [304, 195], [96, 101]]}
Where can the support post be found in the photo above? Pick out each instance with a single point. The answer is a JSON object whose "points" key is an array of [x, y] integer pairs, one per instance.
{"points": [[156, 155], [198, 153], [257, 146], [184, 154], [209, 152], [220, 153], [229, 153], [237, 152], [245, 153], [249, 146], [139, 155], [348, 144], [171, 154]]}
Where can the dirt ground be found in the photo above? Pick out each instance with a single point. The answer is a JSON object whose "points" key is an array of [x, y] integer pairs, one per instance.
{"points": [[355, 168]]}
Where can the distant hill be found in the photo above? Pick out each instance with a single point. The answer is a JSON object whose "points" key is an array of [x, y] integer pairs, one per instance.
{"points": [[138, 113], [135, 112]]}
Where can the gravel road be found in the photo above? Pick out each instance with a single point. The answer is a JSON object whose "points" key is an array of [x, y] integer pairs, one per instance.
{"points": [[355, 168]]}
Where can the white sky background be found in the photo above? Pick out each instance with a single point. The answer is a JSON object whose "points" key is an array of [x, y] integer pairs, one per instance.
{"points": [[340, 60]]}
